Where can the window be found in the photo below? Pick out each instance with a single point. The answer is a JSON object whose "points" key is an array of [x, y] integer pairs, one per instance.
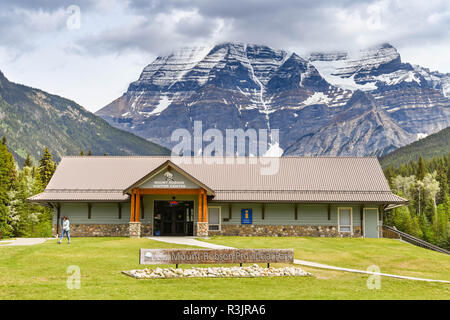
{"points": [[214, 218], [345, 219]]}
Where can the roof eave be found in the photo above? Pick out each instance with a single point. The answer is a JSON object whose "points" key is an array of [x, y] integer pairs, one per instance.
{"points": [[174, 166]]}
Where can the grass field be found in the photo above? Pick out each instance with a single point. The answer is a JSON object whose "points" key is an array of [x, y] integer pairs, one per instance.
{"points": [[39, 272]]}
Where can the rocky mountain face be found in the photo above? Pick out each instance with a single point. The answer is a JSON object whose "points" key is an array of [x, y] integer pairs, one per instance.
{"points": [[339, 103], [32, 119]]}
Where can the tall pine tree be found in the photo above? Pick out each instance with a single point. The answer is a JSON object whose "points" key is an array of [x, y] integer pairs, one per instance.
{"points": [[46, 167], [8, 176]]}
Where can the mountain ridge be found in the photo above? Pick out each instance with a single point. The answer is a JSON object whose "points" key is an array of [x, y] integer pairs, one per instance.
{"points": [[32, 119], [242, 86]]}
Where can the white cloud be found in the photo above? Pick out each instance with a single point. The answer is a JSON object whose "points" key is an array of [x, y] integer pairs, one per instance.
{"points": [[94, 65]]}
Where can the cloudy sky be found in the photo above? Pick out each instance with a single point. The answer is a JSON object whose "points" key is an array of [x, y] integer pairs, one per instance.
{"points": [[90, 50]]}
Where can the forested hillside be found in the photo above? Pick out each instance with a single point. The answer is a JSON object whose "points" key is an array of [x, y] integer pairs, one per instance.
{"points": [[425, 183], [437, 144], [32, 119]]}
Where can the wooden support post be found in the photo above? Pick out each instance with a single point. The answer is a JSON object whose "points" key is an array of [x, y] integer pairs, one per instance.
{"points": [[296, 212], [133, 198], [142, 208], [230, 210], [200, 211], [329, 211], [89, 210], [262, 211], [205, 208], [137, 216], [119, 210]]}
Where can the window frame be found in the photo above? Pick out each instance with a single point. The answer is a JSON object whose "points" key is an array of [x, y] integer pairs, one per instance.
{"points": [[220, 218], [339, 220]]}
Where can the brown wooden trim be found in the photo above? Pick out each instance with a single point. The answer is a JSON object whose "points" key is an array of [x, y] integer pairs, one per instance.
{"points": [[329, 211], [230, 210], [205, 208], [133, 198], [168, 191], [142, 208], [89, 210], [174, 167], [119, 209], [200, 211], [263, 207], [296, 212], [137, 215]]}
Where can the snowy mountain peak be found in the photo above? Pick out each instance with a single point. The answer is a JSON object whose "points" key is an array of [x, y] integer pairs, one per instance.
{"points": [[238, 85]]}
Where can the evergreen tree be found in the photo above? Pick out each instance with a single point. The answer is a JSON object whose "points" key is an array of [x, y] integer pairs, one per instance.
{"points": [[81, 153], [441, 177], [46, 167], [28, 162], [8, 178], [421, 170], [89, 153]]}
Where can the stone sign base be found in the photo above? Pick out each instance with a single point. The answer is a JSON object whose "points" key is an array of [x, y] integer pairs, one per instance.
{"points": [[253, 271]]}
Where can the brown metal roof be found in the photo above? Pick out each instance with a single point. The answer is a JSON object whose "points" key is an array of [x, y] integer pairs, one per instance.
{"points": [[308, 197], [232, 179]]}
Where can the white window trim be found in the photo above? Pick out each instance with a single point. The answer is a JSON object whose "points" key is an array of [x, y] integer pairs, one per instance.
{"points": [[220, 218], [364, 221], [351, 219]]}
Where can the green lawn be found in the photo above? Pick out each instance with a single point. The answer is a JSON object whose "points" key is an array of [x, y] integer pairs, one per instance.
{"points": [[39, 272], [391, 256]]}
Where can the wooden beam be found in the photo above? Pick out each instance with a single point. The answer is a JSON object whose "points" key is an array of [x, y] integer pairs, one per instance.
{"points": [[142, 208], [133, 198], [89, 210], [230, 210], [296, 212], [262, 211], [119, 209], [205, 208], [200, 211], [137, 215], [329, 211], [169, 191]]}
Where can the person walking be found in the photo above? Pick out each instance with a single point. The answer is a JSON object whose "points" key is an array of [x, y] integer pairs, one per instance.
{"points": [[65, 230]]}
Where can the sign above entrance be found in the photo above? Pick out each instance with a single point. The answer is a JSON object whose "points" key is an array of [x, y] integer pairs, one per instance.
{"points": [[215, 256], [169, 182]]}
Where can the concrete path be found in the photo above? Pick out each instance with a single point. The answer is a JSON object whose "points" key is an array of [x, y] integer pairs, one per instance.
{"points": [[192, 241], [324, 266], [189, 241], [23, 241]]}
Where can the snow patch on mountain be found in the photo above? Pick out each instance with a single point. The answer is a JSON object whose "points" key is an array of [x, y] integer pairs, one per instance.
{"points": [[398, 76], [327, 70], [162, 105], [317, 98]]}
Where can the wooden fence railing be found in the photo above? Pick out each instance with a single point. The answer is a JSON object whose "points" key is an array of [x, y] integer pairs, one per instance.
{"points": [[392, 233]]}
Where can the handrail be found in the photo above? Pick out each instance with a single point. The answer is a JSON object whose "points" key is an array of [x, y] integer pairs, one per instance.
{"points": [[388, 231]]}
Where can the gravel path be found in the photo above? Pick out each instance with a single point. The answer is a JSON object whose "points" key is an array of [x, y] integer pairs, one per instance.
{"points": [[191, 241]]}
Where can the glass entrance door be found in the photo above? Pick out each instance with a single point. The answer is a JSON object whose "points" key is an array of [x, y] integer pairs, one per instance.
{"points": [[173, 218]]}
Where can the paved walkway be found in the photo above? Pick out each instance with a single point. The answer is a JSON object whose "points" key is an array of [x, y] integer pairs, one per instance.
{"points": [[189, 241], [192, 241], [23, 241]]}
